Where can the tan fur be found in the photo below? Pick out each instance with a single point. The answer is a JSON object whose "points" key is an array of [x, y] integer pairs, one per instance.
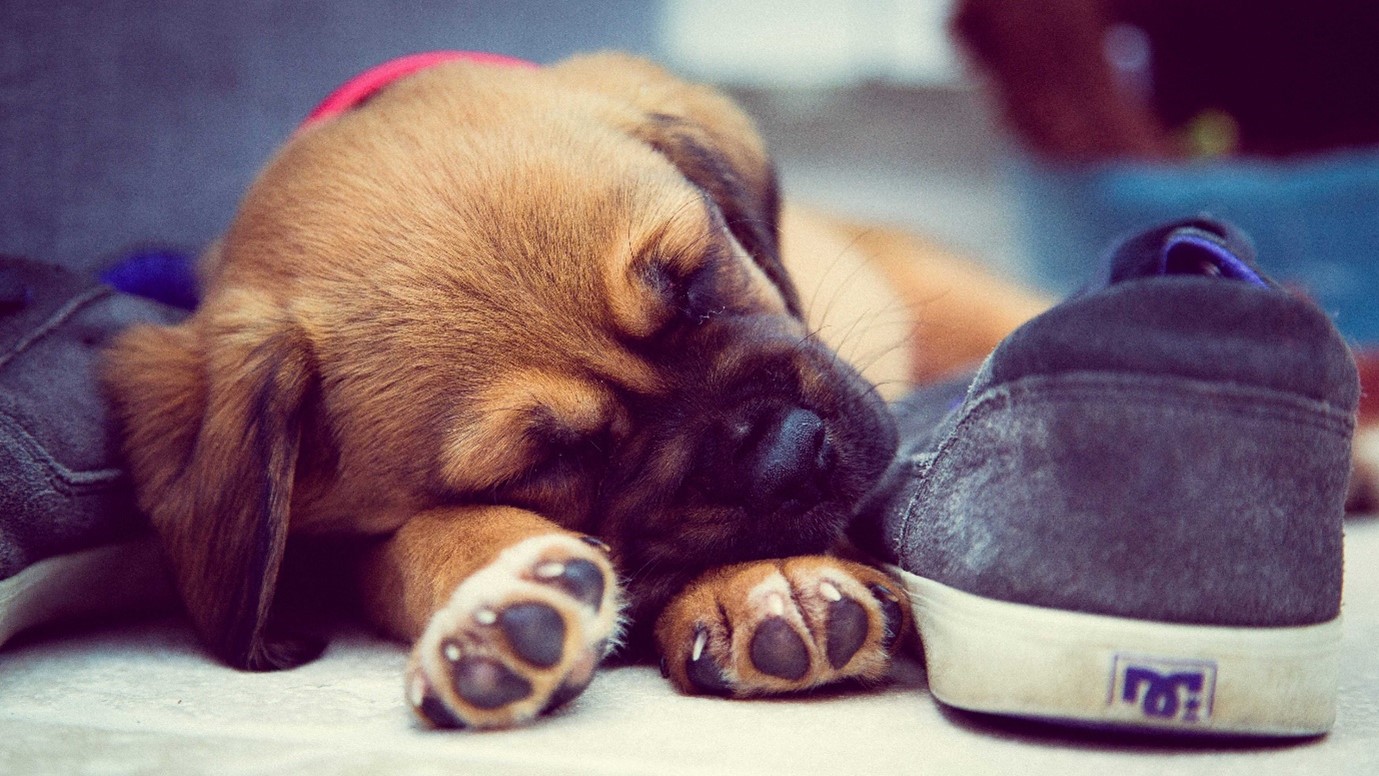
{"points": [[903, 309], [436, 316]]}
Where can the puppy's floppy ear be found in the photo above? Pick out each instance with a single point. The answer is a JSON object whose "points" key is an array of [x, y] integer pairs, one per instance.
{"points": [[708, 139], [746, 195], [212, 420]]}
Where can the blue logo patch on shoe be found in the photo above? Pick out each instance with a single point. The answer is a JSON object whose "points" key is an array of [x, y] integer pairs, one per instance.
{"points": [[1164, 689]]}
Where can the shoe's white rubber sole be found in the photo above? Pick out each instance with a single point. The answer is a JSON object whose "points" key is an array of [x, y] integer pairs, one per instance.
{"points": [[130, 577], [1003, 658]]}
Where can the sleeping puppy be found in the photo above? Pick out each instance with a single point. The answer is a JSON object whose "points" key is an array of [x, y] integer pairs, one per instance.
{"points": [[529, 335]]}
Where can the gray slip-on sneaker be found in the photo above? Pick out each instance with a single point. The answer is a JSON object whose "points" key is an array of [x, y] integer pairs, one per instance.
{"points": [[1132, 516], [71, 541]]}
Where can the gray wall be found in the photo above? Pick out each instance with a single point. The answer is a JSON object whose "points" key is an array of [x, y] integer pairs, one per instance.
{"points": [[125, 124]]}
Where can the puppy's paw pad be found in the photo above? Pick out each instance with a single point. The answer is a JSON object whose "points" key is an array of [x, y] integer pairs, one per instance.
{"points": [[535, 632], [520, 637], [581, 578], [781, 626], [778, 651], [847, 624], [485, 683]]}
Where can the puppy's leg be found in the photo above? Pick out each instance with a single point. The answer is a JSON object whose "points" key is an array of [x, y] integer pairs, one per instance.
{"points": [[509, 614], [777, 626]]}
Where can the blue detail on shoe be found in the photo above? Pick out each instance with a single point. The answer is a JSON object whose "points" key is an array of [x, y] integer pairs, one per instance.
{"points": [[1164, 690], [1193, 252], [1199, 246]]}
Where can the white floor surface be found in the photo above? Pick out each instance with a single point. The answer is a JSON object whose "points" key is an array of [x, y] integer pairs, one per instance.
{"points": [[145, 699]]}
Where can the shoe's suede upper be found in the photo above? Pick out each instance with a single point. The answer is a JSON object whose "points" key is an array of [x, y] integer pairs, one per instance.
{"points": [[1186, 299], [1171, 444], [1191, 327], [61, 486]]}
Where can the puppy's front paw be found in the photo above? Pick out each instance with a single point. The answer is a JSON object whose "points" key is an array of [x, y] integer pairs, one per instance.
{"points": [[778, 626], [519, 637]]}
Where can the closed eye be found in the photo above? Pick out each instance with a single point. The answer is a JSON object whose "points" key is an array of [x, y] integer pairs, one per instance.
{"points": [[697, 298], [691, 296], [562, 452]]}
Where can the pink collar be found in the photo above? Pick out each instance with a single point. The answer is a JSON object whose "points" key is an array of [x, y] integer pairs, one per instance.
{"points": [[368, 83]]}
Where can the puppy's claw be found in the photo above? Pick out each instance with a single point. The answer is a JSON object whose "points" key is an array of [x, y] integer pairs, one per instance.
{"points": [[429, 707], [582, 580], [597, 544], [704, 673], [776, 603], [451, 650], [890, 607], [700, 639]]}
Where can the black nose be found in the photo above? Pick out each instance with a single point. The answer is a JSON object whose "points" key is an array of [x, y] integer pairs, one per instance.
{"points": [[785, 459]]}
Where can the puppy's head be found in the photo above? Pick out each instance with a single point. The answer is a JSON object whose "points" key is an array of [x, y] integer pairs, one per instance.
{"points": [[557, 289]]}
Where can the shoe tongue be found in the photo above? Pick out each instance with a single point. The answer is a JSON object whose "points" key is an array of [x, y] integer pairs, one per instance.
{"points": [[1199, 246]]}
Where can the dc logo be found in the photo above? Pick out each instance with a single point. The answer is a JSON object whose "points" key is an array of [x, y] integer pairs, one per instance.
{"points": [[1164, 689]]}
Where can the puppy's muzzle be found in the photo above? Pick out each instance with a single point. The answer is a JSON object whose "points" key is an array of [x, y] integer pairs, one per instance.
{"points": [[768, 457], [782, 455]]}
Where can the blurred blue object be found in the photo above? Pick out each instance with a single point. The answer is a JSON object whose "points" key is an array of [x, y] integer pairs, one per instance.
{"points": [[1314, 221], [161, 274]]}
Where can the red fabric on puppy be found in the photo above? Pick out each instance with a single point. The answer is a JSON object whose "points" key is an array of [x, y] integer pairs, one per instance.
{"points": [[368, 83]]}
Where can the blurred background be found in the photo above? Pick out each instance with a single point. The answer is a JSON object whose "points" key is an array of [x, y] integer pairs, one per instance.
{"points": [[1051, 128], [135, 123]]}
